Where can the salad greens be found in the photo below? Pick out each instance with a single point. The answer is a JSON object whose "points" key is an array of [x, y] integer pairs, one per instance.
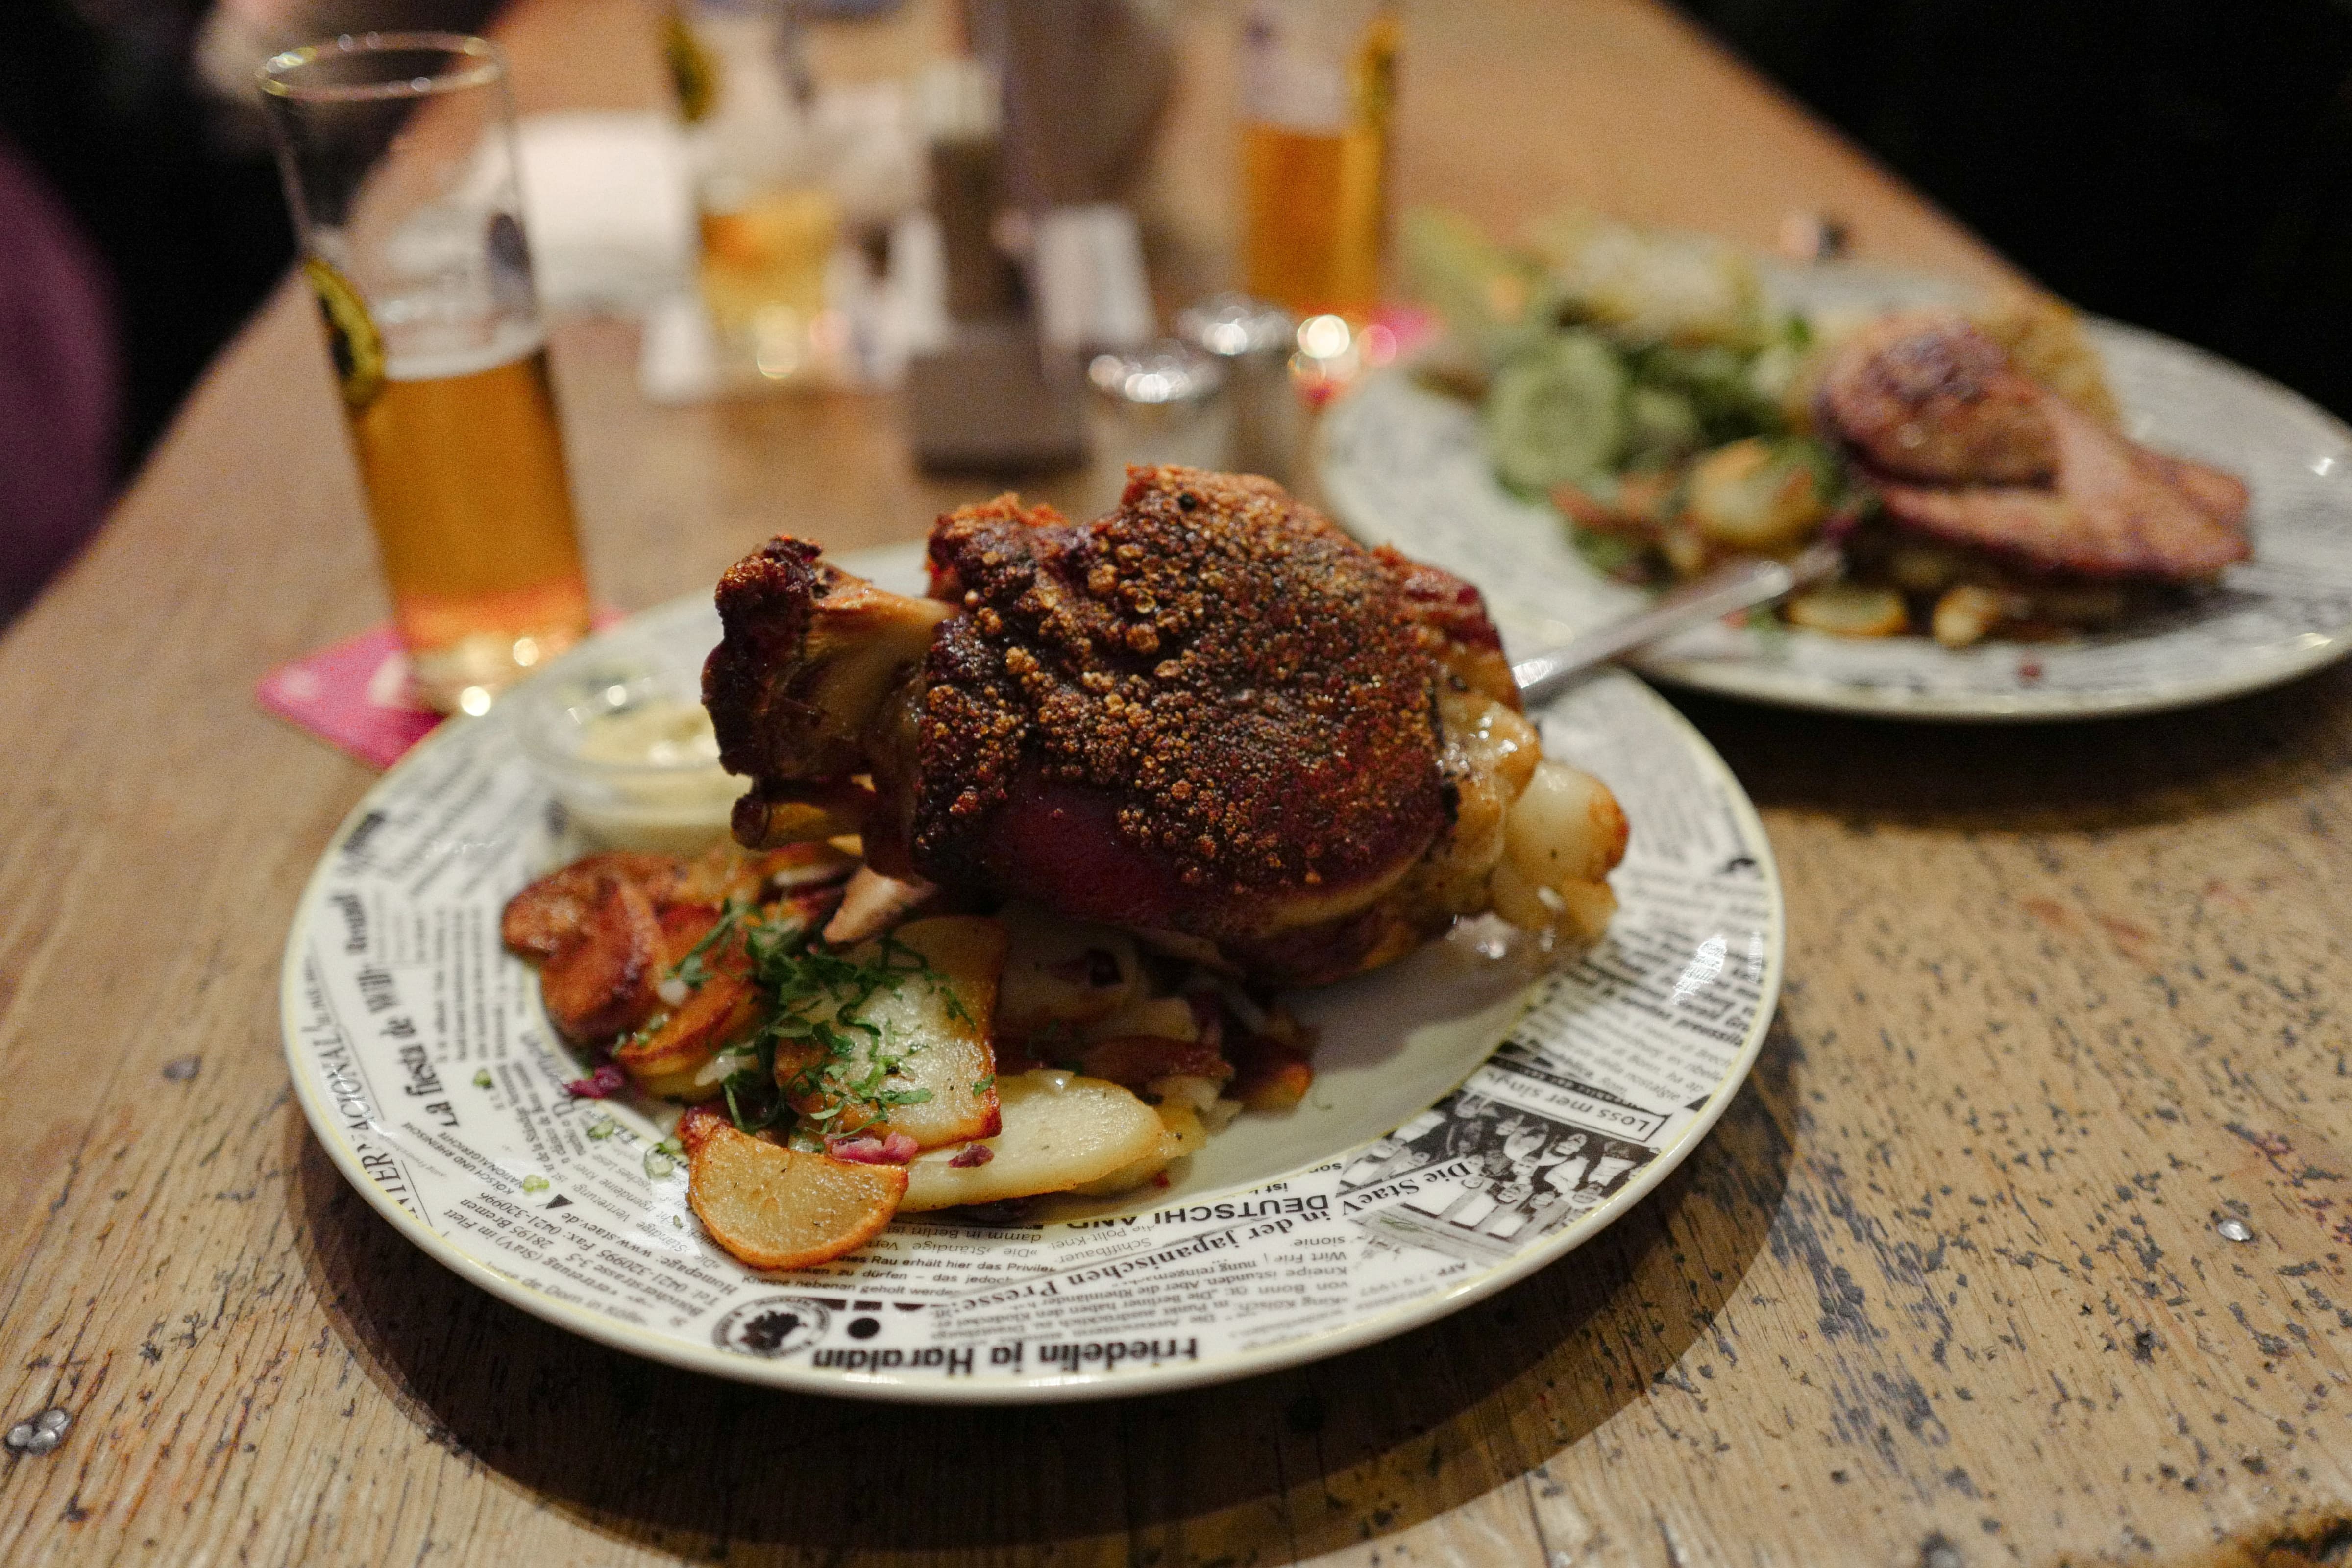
{"points": [[1598, 350]]}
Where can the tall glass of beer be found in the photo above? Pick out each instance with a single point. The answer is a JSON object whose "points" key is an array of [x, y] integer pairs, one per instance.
{"points": [[399, 156], [1318, 81]]}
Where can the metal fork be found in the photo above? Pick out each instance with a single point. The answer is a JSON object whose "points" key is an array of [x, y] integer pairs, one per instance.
{"points": [[1738, 585]]}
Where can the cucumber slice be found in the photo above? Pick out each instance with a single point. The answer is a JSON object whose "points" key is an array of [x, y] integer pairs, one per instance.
{"points": [[1556, 412], [1663, 427]]}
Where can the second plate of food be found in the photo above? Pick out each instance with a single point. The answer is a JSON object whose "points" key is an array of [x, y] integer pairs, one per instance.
{"points": [[1406, 463]]}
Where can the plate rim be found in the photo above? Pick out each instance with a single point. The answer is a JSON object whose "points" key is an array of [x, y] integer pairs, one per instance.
{"points": [[1742, 682], [884, 1387]]}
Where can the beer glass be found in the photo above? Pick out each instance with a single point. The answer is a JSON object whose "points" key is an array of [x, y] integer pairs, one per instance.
{"points": [[398, 151], [1318, 81], [769, 222]]}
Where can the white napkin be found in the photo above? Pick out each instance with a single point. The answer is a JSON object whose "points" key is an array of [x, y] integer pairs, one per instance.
{"points": [[608, 205], [1092, 292]]}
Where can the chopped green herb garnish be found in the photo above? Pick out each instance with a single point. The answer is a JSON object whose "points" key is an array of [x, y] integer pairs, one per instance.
{"points": [[482, 1078], [832, 1054], [602, 1129], [982, 1085], [694, 969], [663, 1158], [534, 1184]]}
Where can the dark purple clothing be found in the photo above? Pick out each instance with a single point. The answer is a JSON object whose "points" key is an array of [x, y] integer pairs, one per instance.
{"points": [[60, 388]]}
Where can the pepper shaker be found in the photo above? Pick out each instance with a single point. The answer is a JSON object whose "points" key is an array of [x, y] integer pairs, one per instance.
{"points": [[1165, 403], [1252, 339]]}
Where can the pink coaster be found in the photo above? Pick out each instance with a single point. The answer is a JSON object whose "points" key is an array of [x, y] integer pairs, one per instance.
{"points": [[1408, 326], [355, 694]]}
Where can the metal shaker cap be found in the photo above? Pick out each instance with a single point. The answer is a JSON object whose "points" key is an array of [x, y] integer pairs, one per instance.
{"points": [[1232, 326], [1162, 374]]}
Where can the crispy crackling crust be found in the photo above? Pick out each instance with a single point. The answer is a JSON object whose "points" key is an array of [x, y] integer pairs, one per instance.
{"points": [[1240, 676], [768, 727]]}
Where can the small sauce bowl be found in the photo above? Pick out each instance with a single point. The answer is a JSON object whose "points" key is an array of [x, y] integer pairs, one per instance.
{"points": [[617, 730]]}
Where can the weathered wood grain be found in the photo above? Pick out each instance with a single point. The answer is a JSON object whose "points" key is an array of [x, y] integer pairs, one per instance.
{"points": [[1944, 1288]]}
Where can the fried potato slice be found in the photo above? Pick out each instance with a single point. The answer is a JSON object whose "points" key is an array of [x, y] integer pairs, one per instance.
{"points": [[666, 1062], [1750, 495], [683, 928], [1168, 1017], [774, 1208], [937, 1027], [730, 874], [1060, 1132], [601, 982], [1135, 1062], [548, 914], [1061, 970], [1182, 1133], [1270, 1074], [1967, 613], [1850, 610]]}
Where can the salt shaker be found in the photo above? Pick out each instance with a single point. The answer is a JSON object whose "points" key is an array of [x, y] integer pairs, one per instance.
{"points": [[1252, 339], [1164, 402]]}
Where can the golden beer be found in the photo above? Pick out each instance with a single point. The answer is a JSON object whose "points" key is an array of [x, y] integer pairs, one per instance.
{"points": [[1318, 81], [464, 468], [764, 263], [400, 160]]}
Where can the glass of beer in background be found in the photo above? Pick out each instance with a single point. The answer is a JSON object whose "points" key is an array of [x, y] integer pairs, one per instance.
{"points": [[1318, 81], [399, 156], [769, 222]]}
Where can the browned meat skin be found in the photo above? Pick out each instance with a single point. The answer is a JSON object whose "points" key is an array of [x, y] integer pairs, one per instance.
{"points": [[1210, 712], [2118, 510], [809, 654], [1964, 449], [1209, 716], [752, 682], [1450, 619], [1922, 395]]}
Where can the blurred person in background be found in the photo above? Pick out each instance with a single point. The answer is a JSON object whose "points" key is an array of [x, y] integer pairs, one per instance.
{"points": [[140, 222], [61, 376]]}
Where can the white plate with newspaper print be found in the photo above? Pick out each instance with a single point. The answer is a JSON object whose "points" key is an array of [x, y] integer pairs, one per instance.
{"points": [[1475, 1114], [1404, 466]]}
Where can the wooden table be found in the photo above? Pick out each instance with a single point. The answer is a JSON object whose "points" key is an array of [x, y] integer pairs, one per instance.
{"points": [[1944, 1288]]}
